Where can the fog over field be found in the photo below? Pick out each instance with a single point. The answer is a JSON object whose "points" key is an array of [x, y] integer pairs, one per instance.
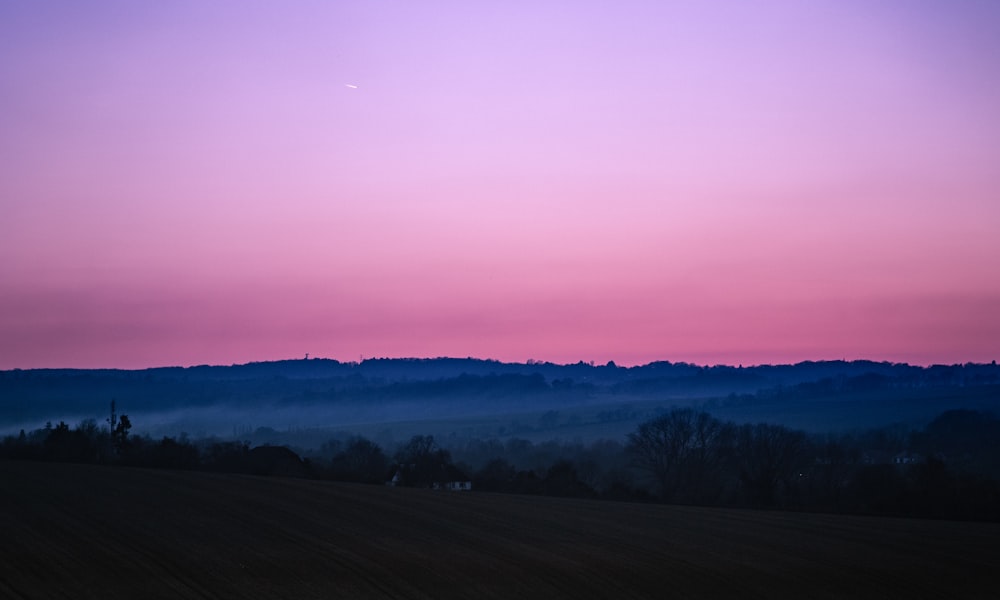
{"points": [[302, 400]]}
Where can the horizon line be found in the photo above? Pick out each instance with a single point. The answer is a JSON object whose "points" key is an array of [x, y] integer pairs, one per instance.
{"points": [[526, 362]]}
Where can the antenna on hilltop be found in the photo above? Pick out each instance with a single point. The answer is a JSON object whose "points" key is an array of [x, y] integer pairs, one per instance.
{"points": [[307, 356]]}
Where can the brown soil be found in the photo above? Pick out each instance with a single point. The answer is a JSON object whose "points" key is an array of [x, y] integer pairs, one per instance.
{"points": [[72, 531]]}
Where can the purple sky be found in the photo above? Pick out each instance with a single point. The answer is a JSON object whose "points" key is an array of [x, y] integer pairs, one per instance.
{"points": [[715, 182]]}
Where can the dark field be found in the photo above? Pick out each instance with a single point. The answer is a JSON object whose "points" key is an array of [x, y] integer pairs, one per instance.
{"points": [[71, 531]]}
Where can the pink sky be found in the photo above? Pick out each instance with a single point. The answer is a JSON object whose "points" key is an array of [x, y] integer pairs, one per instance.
{"points": [[712, 182]]}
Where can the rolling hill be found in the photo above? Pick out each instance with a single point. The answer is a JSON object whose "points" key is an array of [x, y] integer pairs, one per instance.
{"points": [[304, 402]]}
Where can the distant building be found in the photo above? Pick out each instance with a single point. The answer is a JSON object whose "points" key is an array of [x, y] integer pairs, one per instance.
{"points": [[449, 477], [396, 479]]}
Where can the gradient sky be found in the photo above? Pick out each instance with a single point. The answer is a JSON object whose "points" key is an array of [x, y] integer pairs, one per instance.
{"points": [[193, 182]]}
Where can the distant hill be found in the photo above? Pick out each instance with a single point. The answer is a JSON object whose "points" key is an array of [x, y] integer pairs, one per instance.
{"points": [[163, 534], [327, 393]]}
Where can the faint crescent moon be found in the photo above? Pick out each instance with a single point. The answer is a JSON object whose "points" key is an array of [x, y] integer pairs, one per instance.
{"points": [[351, 85]]}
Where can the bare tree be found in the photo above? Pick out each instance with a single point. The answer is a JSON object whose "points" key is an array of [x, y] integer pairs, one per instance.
{"points": [[683, 450], [421, 460], [362, 460], [770, 458]]}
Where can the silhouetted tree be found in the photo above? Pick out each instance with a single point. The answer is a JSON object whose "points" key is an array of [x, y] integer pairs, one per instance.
{"points": [[496, 476], [877, 489], [421, 461], [119, 428], [120, 434], [276, 461], [836, 459], [967, 438], [683, 450], [170, 453], [933, 489], [18, 447], [361, 460], [66, 445], [562, 480], [770, 458], [230, 457]]}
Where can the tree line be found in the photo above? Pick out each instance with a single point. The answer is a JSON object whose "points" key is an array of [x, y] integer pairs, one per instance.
{"points": [[948, 469]]}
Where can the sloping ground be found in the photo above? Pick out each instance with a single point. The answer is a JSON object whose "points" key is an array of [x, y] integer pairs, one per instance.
{"points": [[69, 531]]}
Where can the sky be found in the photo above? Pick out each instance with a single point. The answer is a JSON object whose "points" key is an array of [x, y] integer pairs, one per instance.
{"points": [[195, 182]]}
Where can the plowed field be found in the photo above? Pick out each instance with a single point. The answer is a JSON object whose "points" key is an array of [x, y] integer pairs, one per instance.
{"points": [[71, 531]]}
